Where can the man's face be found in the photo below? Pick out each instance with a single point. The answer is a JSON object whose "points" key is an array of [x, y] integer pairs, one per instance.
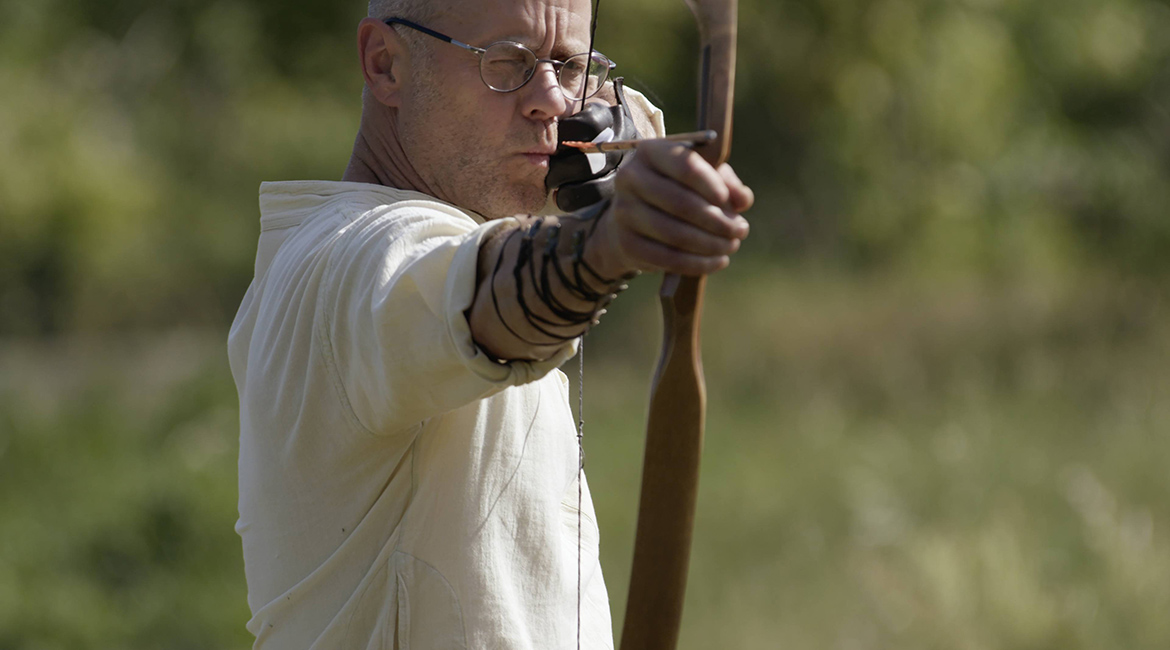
{"points": [[480, 149]]}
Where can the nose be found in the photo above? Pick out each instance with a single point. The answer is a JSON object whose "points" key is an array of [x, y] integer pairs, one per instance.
{"points": [[542, 98]]}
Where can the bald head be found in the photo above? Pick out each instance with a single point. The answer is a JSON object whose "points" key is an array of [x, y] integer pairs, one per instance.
{"points": [[416, 10]]}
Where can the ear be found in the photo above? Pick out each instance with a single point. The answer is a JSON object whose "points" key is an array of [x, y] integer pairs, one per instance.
{"points": [[383, 57]]}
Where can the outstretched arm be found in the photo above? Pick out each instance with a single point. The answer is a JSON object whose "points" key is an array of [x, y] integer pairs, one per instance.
{"points": [[547, 280]]}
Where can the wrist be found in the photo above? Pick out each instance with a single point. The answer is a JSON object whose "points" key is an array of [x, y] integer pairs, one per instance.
{"points": [[601, 252]]}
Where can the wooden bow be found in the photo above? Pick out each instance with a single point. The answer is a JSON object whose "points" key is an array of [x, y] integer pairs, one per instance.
{"points": [[674, 436]]}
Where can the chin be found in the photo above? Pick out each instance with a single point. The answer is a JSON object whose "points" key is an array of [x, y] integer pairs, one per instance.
{"points": [[536, 197], [535, 204], [521, 200]]}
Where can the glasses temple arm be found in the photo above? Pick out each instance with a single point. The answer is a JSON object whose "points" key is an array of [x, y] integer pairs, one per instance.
{"points": [[431, 32]]}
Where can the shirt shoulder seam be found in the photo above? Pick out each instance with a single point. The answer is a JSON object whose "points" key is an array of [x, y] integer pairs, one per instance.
{"points": [[325, 332], [325, 337]]}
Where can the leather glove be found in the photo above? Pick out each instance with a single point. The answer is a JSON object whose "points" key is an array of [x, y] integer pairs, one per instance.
{"points": [[581, 180]]}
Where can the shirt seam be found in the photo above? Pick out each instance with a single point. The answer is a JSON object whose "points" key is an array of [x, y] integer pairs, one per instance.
{"points": [[443, 577], [325, 335]]}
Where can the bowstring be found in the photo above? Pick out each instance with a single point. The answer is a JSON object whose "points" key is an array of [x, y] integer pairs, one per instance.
{"points": [[580, 468], [581, 357], [589, 62]]}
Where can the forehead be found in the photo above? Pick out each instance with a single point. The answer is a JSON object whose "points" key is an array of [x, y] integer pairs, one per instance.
{"points": [[550, 25]]}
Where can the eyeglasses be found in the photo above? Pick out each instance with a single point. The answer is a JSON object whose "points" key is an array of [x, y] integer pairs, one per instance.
{"points": [[505, 66]]}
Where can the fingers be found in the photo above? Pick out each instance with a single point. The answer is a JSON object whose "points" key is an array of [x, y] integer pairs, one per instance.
{"points": [[741, 196], [673, 211], [663, 227], [720, 187], [673, 198], [680, 163], [655, 256]]}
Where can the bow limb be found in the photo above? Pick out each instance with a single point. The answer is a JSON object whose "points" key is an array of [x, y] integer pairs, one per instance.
{"points": [[674, 436]]}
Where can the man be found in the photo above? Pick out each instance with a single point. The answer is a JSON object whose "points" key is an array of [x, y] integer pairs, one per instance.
{"points": [[408, 459]]}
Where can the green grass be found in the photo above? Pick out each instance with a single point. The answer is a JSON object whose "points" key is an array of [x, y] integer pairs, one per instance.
{"points": [[889, 464]]}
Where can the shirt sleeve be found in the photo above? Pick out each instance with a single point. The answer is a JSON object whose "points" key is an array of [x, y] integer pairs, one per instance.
{"points": [[657, 118], [400, 341]]}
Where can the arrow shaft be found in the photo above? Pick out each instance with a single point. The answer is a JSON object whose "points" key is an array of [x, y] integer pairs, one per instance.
{"points": [[697, 137]]}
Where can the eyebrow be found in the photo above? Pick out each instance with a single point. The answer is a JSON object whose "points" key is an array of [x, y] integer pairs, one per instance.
{"points": [[560, 50]]}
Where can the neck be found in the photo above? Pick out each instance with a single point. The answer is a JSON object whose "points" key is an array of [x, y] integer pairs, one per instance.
{"points": [[378, 157]]}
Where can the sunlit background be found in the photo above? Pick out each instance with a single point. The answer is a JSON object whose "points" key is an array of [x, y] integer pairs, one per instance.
{"points": [[939, 371]]}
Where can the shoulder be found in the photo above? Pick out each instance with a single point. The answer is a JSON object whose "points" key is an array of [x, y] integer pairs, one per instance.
{"points": [[354, 217], [648, 117], [293, 202]]}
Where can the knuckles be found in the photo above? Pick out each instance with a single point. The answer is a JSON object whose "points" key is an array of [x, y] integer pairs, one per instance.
{"points": [[672, 211]]}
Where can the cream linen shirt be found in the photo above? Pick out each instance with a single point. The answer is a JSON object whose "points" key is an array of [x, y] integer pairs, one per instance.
{"points": [[398, 488]]}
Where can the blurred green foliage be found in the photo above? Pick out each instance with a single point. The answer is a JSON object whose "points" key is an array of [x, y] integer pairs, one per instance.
{"points": [[911, 464], [117, 497], [938, 372]]}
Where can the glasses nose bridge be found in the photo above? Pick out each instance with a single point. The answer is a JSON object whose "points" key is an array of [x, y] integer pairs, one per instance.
{"points": [[556, 66]]}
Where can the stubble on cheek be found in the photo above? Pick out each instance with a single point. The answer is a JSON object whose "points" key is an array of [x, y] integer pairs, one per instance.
{"points": [[470, 160], [491, 179]]}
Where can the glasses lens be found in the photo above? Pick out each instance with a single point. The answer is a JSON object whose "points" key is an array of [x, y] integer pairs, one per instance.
{"points": [[584, 72], [506, 66]]}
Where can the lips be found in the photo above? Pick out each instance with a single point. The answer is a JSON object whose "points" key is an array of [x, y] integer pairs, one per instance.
{"points": [[539, 154], [540, 159]]}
